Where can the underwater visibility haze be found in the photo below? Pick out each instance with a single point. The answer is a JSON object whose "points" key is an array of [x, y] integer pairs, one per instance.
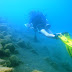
{"points": [[18, 50]]}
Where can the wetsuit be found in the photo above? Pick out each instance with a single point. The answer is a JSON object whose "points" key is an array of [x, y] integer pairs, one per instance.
{"points": [[38, 20]]}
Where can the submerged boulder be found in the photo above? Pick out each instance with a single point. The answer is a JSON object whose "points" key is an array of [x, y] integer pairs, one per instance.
{"points": [[4, 33], [51, 63], [1, 36], [5, 41], [14, 60], [1, 46], [2, 54], [2, 61], [21, 43], [7, 63], [8, 37], [34, 52], [10, 46], [7, 52], [67, 66]]}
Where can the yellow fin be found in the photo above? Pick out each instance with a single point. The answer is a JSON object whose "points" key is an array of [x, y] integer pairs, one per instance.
{"points": [[68, 42], [65, 40]]}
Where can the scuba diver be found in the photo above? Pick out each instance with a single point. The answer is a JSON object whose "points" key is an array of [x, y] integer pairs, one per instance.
{"points": [[40, 24]]}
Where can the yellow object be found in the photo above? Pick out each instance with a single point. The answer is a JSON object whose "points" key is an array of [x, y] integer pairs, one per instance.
{"points": [[6, 69], [36, 71], [68, 42]]}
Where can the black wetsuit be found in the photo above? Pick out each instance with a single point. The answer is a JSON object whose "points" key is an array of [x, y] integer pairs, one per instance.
{"points": [[38, 20]]}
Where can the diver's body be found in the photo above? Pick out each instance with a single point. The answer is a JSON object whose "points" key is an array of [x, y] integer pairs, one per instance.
{"points": [[40, 23]]}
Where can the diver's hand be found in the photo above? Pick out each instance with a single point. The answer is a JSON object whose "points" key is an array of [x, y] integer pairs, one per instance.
{"points": [[56, 35], [29, 25]]}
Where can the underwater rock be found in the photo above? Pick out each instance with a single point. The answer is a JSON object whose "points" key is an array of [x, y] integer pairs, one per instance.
{"points": [[4, 33], [8, 37], [67, 67], [21, 44], [36, 71], [5, 41], [10, 46], [7, 63], [1, 36], [14, 61], [6, 69], [2, 61], [2, 53], [1, 46], [3, 28], [34, 52], [7, 52], [51, 62]]}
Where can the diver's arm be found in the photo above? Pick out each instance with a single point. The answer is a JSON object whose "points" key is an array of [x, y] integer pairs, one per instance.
{"points": [[44, 32]]}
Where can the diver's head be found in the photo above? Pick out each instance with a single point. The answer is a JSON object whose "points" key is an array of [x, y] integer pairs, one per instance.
{"points": [[33, 13]]}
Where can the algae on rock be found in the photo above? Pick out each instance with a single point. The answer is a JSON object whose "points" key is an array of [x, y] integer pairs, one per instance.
{"points": [[10, 46], [6, 69], [21, 43], [14, 60], [2, 61], [5, 41], [36, 71], [7, 52]]}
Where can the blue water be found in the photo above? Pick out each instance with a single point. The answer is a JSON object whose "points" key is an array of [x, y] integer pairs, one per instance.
{"points": [[59, 15]]}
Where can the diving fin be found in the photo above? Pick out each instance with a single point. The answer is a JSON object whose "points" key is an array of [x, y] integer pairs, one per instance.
{"points": [[65, 38], [66, 34]]}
